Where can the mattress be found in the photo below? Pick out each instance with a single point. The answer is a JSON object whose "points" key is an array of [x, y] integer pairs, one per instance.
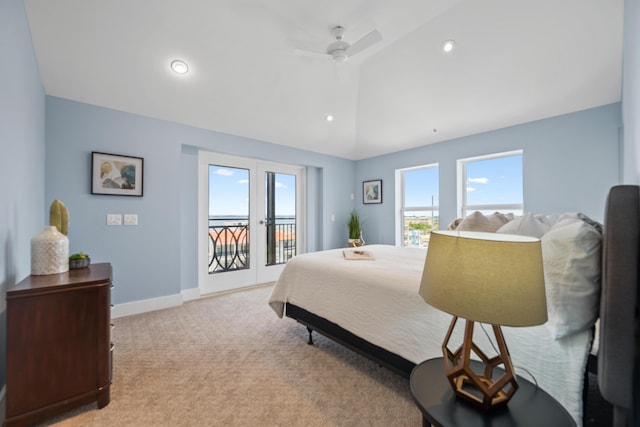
{"points": [[378, 301]]}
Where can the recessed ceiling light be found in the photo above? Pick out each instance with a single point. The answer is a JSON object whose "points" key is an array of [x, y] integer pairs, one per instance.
{"points": [[179, 67], [448, 46], [329, 118]]}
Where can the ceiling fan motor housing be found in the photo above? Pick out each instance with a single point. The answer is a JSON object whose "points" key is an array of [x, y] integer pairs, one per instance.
{"points": [[338, 48]]}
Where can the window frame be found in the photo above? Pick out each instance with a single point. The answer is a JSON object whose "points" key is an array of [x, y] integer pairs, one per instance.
{"points": [[463, 208]]}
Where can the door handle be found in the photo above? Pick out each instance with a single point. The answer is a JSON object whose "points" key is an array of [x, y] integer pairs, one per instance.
{"points": [[261, 222]]}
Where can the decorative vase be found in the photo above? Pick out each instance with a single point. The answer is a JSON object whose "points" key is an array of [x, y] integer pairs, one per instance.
{"points": [[49, 252]]}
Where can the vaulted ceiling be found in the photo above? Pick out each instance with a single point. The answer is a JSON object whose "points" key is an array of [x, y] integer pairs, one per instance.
{"points": [[514, 61]]}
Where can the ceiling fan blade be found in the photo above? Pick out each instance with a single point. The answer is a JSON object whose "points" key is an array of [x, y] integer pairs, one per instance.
{"points": [[311, 53], [369, 40]]}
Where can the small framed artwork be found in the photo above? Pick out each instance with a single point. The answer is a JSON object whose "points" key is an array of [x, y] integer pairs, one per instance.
{"points": [[116, 175], [372, 191]]}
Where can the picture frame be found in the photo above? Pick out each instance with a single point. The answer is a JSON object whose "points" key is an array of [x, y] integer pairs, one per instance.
{"points": [[116, 175], [372, 191]]}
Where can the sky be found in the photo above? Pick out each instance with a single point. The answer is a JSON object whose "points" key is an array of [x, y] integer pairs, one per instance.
{"points": [[495, 181], [229, 192], [491, 181]]}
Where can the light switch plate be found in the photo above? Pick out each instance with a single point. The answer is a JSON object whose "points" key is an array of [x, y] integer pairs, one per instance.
{"points": [[130, 219], [114, 219]]}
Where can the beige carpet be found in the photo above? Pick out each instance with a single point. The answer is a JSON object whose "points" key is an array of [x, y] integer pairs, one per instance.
{"points": [[229, 360]]}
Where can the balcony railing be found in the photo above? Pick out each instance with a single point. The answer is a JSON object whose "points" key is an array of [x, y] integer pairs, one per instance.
{"points": [[229, 243], [281, 240], [228, 248]]}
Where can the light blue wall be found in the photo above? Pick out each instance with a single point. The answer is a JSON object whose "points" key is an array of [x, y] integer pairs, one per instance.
{"points": [[569, 164], [631, 92], [158, 257], [21, 156]]}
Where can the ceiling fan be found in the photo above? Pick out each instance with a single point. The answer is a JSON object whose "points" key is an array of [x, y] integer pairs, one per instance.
{"points": [[340, 50]]}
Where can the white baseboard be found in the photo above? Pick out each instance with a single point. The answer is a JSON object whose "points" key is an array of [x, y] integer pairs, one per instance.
{"points": [[143, 306], [190, 294]]}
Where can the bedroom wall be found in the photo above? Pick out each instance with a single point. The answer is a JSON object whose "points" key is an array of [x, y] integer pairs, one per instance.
{"points": [[157, 258], [21, 159], [570, 162], [631, 92]]}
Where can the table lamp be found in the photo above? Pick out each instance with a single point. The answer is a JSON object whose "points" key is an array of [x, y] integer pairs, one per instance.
{"points": [[490, 278]]}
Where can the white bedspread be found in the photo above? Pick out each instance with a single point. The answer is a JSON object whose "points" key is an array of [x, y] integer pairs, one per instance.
{"points": [[378, 301]]}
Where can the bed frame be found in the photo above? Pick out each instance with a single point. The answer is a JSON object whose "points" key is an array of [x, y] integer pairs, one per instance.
{"points": [[340, 335], [619, 347]]}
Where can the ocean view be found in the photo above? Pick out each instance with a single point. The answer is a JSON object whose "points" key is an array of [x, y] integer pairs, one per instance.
{"points": [[218, 220]]}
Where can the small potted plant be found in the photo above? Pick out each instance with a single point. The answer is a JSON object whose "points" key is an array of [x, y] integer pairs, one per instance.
{"points": [[355, 230], [79, 260]]}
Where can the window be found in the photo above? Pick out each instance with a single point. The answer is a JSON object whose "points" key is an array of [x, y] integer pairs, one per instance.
{"points": [[491, 183], [418, 204]]}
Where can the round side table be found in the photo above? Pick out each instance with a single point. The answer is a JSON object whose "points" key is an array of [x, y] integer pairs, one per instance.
{"points": [[530, 406]]}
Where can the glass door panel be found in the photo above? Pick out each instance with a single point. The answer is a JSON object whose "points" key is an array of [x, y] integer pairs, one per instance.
{"points": [[229, 234], [280, 217], [226, 222], [282, 207]]}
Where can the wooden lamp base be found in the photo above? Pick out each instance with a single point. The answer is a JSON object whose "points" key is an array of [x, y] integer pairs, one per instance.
{"points": [[479, 389]]}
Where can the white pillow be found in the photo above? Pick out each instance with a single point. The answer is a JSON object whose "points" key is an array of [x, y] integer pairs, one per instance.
{"points": [[571, 253], [553, 219], [526, 225], [479, 222]]}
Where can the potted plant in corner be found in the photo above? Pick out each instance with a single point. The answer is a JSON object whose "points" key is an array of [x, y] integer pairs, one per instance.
{"points": [[355, 231]]}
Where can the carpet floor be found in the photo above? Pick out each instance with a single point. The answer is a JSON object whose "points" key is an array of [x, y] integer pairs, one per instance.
{"points": [[228, 360]]}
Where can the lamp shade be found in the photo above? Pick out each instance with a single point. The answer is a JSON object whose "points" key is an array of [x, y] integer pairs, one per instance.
{"points": [[486, 277]]}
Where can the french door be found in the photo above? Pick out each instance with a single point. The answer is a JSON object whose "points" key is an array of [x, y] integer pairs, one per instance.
{"points": [[251, 220]]}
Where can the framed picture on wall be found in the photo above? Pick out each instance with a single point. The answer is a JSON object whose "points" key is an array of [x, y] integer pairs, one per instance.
{"points": [[372, 191], [116, 175]]}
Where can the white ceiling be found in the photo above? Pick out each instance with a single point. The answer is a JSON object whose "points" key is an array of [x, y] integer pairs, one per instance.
{"points": [[515, 61]]}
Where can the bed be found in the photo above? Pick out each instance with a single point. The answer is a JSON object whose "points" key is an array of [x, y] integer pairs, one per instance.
{"points": [[373, 306]]}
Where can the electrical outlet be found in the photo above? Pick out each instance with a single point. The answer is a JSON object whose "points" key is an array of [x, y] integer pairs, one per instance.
{"points": [[114, 219], [130, 219]]}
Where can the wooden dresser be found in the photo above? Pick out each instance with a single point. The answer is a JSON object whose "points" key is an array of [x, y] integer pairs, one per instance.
{"points": [[58, 343]]}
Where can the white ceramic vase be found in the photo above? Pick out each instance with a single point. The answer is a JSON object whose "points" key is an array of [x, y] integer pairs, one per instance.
{"points": [[49, 252]]}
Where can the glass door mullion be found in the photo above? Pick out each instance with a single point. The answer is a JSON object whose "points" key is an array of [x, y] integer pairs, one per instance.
{"points": [[270, 220]]}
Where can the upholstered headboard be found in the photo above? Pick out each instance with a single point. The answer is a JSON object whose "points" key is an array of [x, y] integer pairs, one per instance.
{"points": [[619, 328]]}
